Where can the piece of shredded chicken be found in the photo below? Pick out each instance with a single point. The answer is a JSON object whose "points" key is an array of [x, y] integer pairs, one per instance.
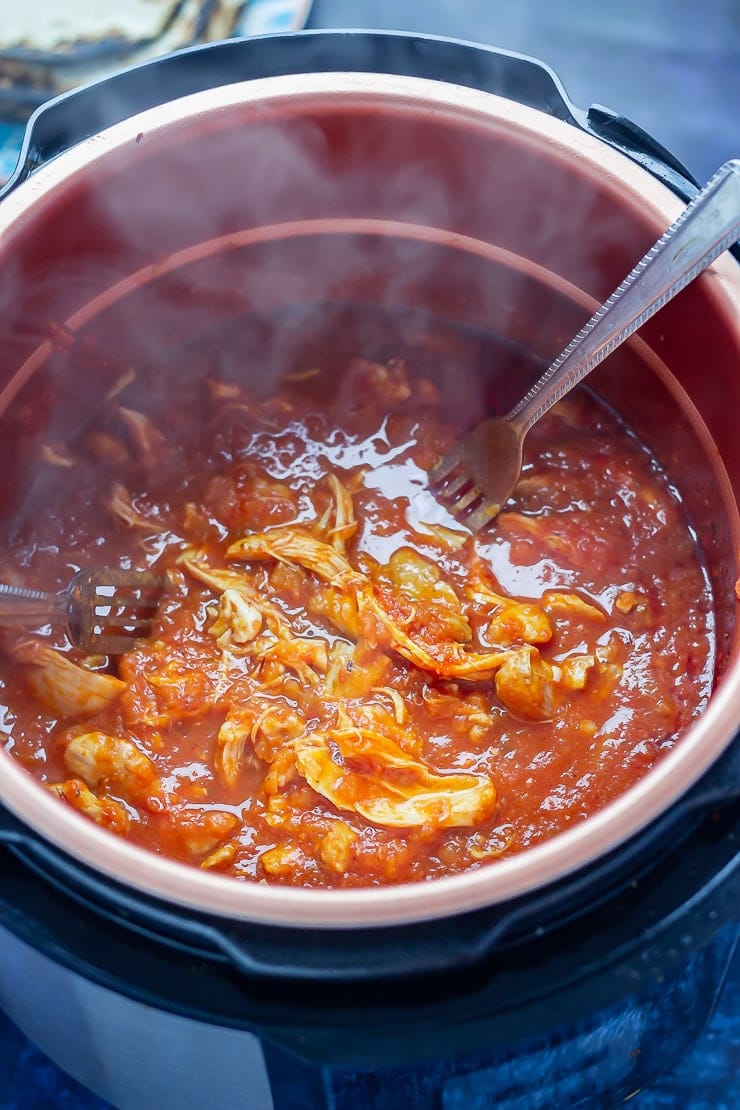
{"points": [[238, 620], [261, 727], [99, 808], [336, 847], [524, 683], [447, 659], [232, 742], [115, 765], [202, 831], [421, 580], [61, 686], [145, 435], [512, 621], [385, 785], [119, 504], [571, 605], [345, 523]]}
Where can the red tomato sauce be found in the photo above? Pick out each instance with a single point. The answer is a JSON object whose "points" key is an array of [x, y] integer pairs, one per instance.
{"points": [[343, 687]]}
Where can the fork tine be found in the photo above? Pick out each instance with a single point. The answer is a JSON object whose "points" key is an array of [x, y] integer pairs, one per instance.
{"points": [[121, 596], [117, 576], [458, 486], [133, 605], [122, 620], [482, 515], [443, 468], [102, 643], [460, 507]]}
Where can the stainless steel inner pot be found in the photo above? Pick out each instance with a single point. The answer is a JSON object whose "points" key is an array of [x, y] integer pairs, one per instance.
{"points": [[397, 191]]}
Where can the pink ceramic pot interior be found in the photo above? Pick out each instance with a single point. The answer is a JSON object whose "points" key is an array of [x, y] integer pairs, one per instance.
{"points": [[398, 194]]}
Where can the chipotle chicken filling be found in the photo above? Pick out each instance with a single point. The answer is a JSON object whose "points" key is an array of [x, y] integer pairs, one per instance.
{"points": [[343, 687]]}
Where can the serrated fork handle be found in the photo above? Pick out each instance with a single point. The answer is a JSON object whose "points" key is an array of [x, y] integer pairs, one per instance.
{"points": [[709, 225], [20, 605]]}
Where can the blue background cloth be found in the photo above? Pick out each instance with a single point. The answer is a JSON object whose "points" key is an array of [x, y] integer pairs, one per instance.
{"points": [[672, 66]]}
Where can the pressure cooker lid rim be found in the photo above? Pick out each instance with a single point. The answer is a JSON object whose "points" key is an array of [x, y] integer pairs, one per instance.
{"points": [[72, 116], [467, 103]]}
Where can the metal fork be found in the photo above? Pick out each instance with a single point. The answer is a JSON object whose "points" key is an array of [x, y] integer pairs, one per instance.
{"points": [[479, 475], [105, 608]]}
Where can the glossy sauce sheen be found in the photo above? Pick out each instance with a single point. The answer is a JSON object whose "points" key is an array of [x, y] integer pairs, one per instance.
{"points": [[321, 755]]}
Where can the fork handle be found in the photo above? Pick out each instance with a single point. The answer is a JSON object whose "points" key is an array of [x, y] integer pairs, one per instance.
{"points": [[19, 605], [708, 226]]}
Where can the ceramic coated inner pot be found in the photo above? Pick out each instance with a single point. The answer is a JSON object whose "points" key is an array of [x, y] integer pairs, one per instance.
{"points": [[390, 191]]}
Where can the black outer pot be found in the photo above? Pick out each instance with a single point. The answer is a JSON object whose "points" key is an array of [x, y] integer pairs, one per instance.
{"points": [[74, 116], [511, 971], [469, 983]]}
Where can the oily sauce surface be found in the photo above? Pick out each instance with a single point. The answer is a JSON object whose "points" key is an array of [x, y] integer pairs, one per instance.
{"points": [[343, 687]]}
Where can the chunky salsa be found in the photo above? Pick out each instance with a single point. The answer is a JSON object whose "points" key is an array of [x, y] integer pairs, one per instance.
{"points": [[343, 687]]}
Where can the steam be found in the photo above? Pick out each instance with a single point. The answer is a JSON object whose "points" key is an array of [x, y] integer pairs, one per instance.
{"points": [[208, 227]]}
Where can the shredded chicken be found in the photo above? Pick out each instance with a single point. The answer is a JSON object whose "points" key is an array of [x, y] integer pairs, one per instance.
{"points": [[61, 686], [276, 725], [231, 743], [145, 435], [120, 505], [57, 454], [221, 857], [574, 671], [200, 832], [222, 580], [627, 600], [571, 605], [512, 621], [345, 524], [421, 580], [121, 383], [181, 690], [282, 771], [106, 448], [281, 860], [292, 544], [336, 607], [383, 784], [400, 711], [354, 670], [307, 657], [447, 538], [116, 765], [336, 847], [101, 809], [261, 727], [238, 620], [524, 683], [469, 707]]}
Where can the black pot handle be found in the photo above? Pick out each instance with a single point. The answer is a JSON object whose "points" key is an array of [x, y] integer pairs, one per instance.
{"points": [[629, 139], [69, 119]]}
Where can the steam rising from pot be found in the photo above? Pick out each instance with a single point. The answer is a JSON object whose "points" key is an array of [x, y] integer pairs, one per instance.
{"points": [[286, 202]]}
